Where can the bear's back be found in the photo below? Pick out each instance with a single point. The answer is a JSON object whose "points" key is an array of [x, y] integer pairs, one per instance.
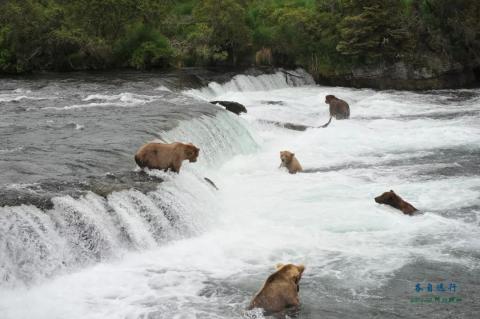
{"points": [[277, 293], [339, 109], [156, 155]]}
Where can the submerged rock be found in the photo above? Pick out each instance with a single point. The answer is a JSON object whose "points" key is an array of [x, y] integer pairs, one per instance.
{"points": [[273, 102], [233, 107], [110, 183], [40, 194], [287, 125], [18, 197]]}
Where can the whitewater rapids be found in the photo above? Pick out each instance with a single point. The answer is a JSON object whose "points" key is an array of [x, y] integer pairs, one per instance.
{"points": [[362, 259]]}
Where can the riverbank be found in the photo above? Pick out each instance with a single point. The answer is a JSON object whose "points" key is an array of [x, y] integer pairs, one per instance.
{"points": [[387, 77]]}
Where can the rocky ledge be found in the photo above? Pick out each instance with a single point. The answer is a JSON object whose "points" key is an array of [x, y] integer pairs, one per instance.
{"points": [[437, 74]]}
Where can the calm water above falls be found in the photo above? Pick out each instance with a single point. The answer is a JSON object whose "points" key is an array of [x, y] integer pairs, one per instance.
{"points": [[184, 250]]}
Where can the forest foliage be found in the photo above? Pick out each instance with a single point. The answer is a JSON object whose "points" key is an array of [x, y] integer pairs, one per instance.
{"points": [[324, 36]]}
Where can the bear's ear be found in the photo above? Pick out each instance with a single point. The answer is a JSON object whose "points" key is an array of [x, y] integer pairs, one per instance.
{"points": [[301, 268], [392, 191], [293, 154], [278, 266]]}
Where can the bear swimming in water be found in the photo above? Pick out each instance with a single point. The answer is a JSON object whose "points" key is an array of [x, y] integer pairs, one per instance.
{"points": [[392, 199]]}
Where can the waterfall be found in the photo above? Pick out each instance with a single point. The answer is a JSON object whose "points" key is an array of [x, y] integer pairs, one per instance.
{"points": [[240, 83], [78, 232]]}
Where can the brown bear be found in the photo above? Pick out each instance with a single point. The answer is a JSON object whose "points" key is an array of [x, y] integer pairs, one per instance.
{"points": [[280, 290], [156, 155], [290, 162], [338, 108], [392, 199]]}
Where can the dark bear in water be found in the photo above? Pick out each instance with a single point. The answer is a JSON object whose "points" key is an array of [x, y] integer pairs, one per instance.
{"points": [[233, 107], [338, 108], [392, 199]]}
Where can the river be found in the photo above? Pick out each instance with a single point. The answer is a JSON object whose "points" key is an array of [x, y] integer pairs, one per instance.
{"points": [[83, 234]]}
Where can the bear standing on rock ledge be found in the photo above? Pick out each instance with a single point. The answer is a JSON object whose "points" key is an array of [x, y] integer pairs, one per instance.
{"points": [[156, 155], [338, 108]]}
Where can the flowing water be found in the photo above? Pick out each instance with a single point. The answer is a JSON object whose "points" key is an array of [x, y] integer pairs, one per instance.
{"points": [[84, 234]]}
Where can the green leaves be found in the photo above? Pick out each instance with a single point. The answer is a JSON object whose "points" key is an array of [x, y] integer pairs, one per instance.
{"points": [[143, 47], [372, 31], [326, 36], [7, 61], [228, 32]]}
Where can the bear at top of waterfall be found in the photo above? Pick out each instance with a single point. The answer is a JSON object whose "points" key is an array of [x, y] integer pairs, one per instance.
{"points": [[155, 155], [280, 290], [290, 162], [392, 199], [338, 108]]}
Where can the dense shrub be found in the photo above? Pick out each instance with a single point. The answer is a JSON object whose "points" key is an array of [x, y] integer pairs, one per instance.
{"points": [[324, 36], [143, 47]]}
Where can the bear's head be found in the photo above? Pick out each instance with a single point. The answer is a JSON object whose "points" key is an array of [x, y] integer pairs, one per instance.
{"points": [[329, 98], [191, 152], [292, 272], [389, 198], [286, 157]]}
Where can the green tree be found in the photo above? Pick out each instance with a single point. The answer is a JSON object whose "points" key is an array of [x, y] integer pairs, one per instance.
{"points": [[374, 30], [328, 37], [26, 26], [449, 28], [143, 47], [225, 23]]}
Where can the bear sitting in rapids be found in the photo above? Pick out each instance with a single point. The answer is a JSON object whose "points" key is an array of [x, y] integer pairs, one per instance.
{"points": [[290, 162], [280, 290], [155, 155]]}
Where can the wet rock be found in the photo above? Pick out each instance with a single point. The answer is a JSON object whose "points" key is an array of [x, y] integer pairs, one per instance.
{"points": [[272, 102], [40, 194], [436, 73], [110, 183], [287, 125], [18, 197], [233, 107]]}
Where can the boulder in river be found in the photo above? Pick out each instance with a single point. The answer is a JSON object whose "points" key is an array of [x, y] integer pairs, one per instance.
{"points": [[233, 107]]}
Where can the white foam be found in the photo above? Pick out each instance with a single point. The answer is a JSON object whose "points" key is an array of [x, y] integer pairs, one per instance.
{"points": [[125, 99], [22, 94], [163, 88], [249, 83], [11, 150]]}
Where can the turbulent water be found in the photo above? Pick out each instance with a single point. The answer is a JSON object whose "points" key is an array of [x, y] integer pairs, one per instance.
{"points": [[84, 234]]}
